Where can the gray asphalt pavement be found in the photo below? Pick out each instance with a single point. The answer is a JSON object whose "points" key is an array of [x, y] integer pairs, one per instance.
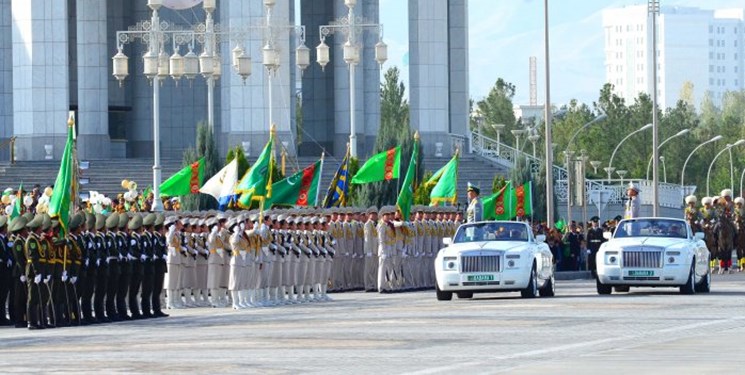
{"points": [[648, 331]]}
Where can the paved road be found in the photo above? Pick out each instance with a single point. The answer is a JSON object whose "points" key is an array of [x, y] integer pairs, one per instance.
{"points": [[649, 331]]}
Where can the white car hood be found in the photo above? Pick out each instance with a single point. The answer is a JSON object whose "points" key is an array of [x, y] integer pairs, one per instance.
{"points": [[645, 241], [485, 245]]}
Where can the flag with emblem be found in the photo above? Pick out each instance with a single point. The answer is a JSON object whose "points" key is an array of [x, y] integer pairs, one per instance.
{"points": [[17, 205], [446, 181], [523, 200], [406, 196], [222, 185], [336, 196], [256, 184], [496, 206], [380, 167], [184, 182], [300, 189], [62, 194]]}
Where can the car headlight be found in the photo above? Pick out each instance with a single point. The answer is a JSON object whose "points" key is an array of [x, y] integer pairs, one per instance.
{"points": [[672, 256], [611, 257], [450, 263], [512, 260]]}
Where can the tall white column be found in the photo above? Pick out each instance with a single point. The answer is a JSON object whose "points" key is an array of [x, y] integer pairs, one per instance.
{"points": [[93, 80], [41, 94]]}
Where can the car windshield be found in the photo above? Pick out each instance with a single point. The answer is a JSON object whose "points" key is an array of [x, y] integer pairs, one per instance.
{"points": [[666, 228], [496, 231]]}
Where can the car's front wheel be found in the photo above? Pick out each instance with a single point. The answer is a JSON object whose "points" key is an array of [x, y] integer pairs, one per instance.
{"points": [[690, 286], [443, 296], [602, 288], [531, 291], [704, 286]]}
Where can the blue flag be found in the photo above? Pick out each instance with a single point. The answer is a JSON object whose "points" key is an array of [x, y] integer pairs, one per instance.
{"points": [[337, 193]]}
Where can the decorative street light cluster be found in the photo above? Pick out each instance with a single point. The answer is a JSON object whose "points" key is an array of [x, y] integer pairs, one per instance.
{"points": [[158, 65], [352, 27]]}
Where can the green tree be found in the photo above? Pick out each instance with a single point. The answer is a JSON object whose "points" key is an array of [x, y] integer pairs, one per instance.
{"points": [[206, 147], [497, 108], [394, 130], [237, 152]]}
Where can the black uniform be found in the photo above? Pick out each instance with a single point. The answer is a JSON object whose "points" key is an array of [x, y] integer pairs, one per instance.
{"points": [[125, 274], [101, 280], [135, 250], [146, 244], [6, 279], [160, 269], [89, 284], [112, 283], [20, 290], [35, 266], [594, 240]]}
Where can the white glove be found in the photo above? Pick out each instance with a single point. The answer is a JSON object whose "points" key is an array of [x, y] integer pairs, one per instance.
{"points": [[64, 278], [121, 257], [98, 262], [87, 261], [108, 260], [64, 274], [369, 255], [143, 257], [165, 257], [10, 263], [73, 279], [23, 278], [37, 279], [47, 279]]}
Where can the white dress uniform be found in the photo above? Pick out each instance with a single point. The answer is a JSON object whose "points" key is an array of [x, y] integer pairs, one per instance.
{"points": [[359, 254], [371, 255], [215, 266], [237, 260], [189, 270], [200, 288], [386, 243], [173, 277]]}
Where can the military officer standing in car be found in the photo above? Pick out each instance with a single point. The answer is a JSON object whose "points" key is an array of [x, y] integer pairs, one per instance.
{"points": [[475, 211]]}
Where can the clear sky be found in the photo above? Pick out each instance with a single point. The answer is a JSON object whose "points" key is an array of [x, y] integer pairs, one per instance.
{"points": [[505, 33]]}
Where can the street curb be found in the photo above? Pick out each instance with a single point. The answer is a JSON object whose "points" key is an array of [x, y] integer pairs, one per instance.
{"points": [[573, 275]]}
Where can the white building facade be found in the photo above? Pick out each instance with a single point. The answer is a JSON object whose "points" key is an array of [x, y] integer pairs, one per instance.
{"points": [[697, 46]]}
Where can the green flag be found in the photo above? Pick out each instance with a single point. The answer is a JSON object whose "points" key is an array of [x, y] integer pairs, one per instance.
{"points": [[523, 200], [59, 205], [496, 206], [406, 196], [382, 166], [184, 182], [256, 184], [445, 190], [300, 189], [17, 205]]}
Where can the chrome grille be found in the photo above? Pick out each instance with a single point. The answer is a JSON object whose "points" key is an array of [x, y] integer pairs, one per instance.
{"points": [[479, 263], [642, 259]]}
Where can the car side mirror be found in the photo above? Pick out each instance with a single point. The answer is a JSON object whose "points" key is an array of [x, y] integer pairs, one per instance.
{"points": [[699, 235], [447, 241], [607, 235], [540, 238]]}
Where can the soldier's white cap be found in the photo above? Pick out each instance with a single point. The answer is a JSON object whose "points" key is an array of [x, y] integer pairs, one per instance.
{"points": [[706, 200], [281, 217], [633, 187], [314, 220], [739, 200], [726, 193], [690, 199], [372, 210]]}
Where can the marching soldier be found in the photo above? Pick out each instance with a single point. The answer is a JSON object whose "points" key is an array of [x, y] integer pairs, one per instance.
{"points": [[216, 250], [160, 267], [19, 232], [89, 278], [6, 270], [125, 266], [102, 269], [371, 249], [386, 248], [113, 257], [173, 261], [35, 271], [137, 260], [73, 256], [148, 267]]}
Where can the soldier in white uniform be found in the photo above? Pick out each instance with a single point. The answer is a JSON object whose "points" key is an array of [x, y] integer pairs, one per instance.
{"points": [[238, 246], [371, 249], [173, 260], [386, 245], [200, 244], [216, 250], [633, 203], [475, 211]]}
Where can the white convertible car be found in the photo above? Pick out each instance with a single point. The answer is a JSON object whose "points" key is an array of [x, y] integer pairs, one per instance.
{"points": [[653, 252], [495, 256]]}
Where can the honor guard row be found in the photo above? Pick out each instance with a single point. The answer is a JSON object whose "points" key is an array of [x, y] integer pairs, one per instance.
{"points": [[722, 220], [105, 268]]}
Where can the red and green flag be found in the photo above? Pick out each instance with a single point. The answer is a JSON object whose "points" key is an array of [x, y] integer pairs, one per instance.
{"points": [[406, 196], [383, 166], [523, 196], [17, 205], [184, 182], [446, 181], [498, 205], [300, 189], [62, 195]]}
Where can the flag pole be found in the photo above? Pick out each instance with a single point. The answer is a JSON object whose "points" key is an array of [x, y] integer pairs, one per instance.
{"points": [[320, 177], [343, 202]]}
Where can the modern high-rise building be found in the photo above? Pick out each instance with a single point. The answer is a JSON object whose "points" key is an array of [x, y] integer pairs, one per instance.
{"points": [[697, 46], [55, 56]]}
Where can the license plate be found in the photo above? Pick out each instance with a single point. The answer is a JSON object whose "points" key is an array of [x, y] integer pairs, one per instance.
{"points": [[641, 273], [480, 277]]}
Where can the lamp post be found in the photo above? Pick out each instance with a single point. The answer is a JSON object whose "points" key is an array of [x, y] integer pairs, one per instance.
{"points": [[683, 171], [533, 138], [547, 114], [351, 26], [517, 133], [498, 128], [742, 175], [595, 164], [654, 10], [568, 154], [678, 134], [708, 174], [622, 174], [610, 168]]}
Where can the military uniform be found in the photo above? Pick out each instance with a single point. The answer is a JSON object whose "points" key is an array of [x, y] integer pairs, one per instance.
{"points": [[594, 240], [20, 287], [34, 273], [475, 211], [371, 251], [6, 271], [386, 248]]}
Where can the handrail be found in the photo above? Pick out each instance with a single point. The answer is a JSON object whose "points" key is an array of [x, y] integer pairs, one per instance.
{"points": [[10, 143]]}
